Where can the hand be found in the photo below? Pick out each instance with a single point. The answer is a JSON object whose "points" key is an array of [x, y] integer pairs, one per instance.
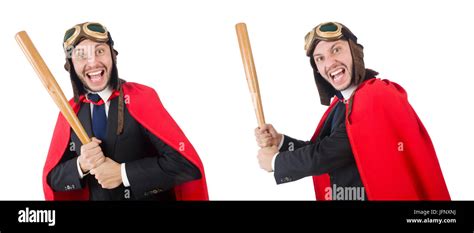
{"points": [[108, 174], [267, 136], [265, 157], [91, 155]]}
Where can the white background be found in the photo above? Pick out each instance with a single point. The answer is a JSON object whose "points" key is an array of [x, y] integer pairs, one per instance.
{"points": [[188, 52]]}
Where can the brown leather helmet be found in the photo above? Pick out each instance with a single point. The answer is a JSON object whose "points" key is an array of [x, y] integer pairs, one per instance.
{"points": [[95, 32], [332, 31]]}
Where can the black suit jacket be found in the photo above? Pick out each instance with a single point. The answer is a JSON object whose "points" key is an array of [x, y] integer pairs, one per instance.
{"points": [[153, 168], [330, 153]]}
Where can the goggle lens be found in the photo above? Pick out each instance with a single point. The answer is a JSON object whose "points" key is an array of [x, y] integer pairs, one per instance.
{"points": [[96, 27]]}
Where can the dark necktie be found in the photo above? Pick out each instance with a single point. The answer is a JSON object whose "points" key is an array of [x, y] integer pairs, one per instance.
{"points": [[99, 119]]}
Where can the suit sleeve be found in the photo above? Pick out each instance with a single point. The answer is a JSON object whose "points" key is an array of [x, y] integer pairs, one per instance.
{"points": [[65, 176], [291, 144], [313, 158], [161, 172]]}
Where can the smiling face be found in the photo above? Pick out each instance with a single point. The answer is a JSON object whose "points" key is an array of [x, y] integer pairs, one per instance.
{"points": [[334, 62], [93, 64]]}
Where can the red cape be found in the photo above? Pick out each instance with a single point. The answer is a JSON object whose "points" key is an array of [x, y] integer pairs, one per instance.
{"points": [[146, 108], [392, 149]]}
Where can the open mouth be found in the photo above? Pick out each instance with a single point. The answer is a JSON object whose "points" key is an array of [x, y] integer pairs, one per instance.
{"points": [[337, 75], [96, 76]]}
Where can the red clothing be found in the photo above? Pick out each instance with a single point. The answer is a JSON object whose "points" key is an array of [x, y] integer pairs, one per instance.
{"points": [[145, 107], [392, 149]]}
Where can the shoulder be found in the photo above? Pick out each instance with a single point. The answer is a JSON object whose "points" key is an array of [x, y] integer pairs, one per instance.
{"points": [[140, 93], [380, 89], [137, 90], [379, 95], [137, 87]]}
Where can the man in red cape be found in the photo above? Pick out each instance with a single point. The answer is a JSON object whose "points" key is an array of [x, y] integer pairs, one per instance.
{"points": [[370, 144], [137, 152]]}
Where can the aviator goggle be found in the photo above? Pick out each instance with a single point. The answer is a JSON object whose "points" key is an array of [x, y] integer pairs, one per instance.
{"points": [[329, 31], [90, 30]]}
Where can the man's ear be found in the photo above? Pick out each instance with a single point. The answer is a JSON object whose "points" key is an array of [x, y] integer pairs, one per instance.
{"points": [[114, 55]]}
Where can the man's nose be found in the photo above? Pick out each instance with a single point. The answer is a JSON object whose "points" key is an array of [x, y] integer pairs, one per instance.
{"points": [[329, 62], [91, 59]]}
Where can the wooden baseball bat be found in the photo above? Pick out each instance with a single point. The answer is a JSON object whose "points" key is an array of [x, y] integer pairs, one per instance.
{"points": [[250, 72], [51, 85]]}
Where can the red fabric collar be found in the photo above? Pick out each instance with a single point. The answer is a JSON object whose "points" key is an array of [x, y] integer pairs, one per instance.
{"points": [[112, 96]]}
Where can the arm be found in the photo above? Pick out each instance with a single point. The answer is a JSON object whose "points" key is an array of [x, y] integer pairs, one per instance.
{"points": [[291, 144], [267, 136], [65, 176], [271, 142], [315, 158], [160, 172]]}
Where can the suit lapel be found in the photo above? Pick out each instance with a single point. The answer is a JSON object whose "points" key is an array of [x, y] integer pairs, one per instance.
{"points": [[84, 116], [326, 130], [111, 135]]}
